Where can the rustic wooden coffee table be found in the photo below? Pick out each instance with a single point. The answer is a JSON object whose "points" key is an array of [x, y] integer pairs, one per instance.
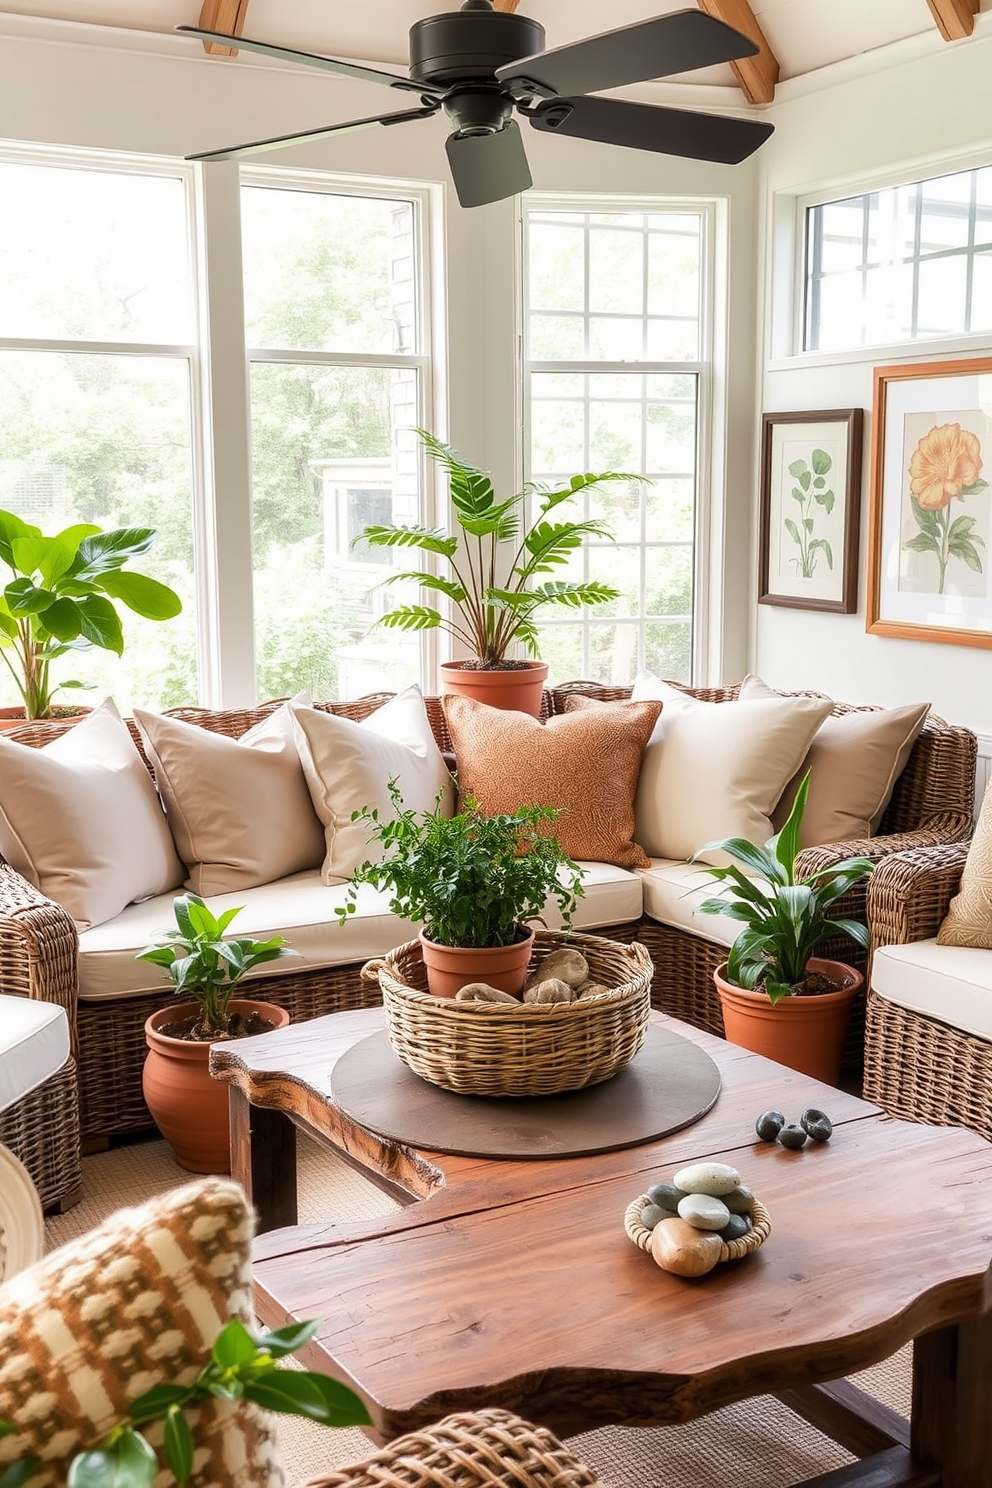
{"points": [[511, 1283]]}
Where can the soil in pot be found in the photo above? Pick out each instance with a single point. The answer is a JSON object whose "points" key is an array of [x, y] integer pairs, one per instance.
{"points": [[188, 1106], [515, 685], [805, 1032]]}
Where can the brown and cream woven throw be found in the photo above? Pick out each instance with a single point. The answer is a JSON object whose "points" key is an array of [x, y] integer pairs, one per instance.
{"points": [[135, 1302]]}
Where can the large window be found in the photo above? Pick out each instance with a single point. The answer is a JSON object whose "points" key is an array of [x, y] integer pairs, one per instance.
{"points": [[97, 344], [614, 359], [334, 327], [103, 361], [903, 263]]}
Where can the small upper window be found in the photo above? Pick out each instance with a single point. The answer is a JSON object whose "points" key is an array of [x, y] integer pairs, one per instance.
{"points": [[905, 263]]}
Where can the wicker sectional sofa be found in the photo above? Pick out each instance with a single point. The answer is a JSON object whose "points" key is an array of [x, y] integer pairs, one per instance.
{"points": [[39, 957]]}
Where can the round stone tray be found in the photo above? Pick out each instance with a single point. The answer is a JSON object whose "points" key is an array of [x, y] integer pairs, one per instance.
{"points": [[670, 1083]]}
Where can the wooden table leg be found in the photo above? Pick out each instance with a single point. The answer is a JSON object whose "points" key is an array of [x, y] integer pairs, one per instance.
{"points": [[952, 1402], [263, 1160]]}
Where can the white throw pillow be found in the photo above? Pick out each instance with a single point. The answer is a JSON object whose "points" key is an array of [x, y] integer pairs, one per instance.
{"points": [[348, 765], [714, 770], [239, 809], [81, 820]]}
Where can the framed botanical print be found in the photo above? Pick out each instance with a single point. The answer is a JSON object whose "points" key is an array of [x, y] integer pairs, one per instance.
{"points": [[930, 523], [810, 508]]}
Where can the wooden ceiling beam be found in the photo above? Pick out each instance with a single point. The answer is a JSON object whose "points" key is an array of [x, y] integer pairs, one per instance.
{"points": [[223, 15], [507, 6], [757, 75], [955, 18]]}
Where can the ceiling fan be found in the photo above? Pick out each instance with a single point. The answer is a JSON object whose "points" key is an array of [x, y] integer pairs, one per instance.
{"points": [[479, 65]]}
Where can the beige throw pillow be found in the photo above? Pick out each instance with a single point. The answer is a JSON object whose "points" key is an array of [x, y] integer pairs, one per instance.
{"points": [[855, 760], [239, 809], [134, 1303], [714, 770], [80, 819], [585, 762], [348, 766], [969, 918]]}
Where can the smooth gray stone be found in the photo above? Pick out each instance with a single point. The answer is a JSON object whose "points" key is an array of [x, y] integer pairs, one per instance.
{"points": [[736, 1227], [708, 1178], [740, 1201], [704, 1211]]}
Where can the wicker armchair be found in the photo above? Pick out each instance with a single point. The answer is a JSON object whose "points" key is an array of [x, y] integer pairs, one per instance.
{"points": [[916, 1066]]}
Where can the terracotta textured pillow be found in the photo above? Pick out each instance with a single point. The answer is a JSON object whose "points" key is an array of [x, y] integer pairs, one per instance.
{"points": [[969, 918], [80, 820], [855, 759], [136, 1302], [586, 762], [348, 765], [239, 809], [714, 770]]}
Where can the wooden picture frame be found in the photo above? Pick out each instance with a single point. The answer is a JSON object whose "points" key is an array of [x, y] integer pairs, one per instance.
{"points": [[810, 509], [930, 516]]}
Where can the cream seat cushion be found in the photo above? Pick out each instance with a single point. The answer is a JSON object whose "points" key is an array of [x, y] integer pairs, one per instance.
{"points": [[348, 766], [239, 809], [969, 917], [855, 759], [34, 1045], [80, 819], [301, 907], [673, 892], [715, 770], [950, 983]]}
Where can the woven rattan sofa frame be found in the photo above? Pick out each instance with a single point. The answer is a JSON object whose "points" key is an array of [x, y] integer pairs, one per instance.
{"points": [[916, 1066], [932, 803]]}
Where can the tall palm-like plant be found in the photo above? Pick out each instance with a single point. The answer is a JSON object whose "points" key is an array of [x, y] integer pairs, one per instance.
{"points": [[488, 615]]}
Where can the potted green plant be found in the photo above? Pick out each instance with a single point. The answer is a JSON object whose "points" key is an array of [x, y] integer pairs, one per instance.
{"points": [[62, 598], [204, 967], [472, 882], [777, 997], [493, 603]]}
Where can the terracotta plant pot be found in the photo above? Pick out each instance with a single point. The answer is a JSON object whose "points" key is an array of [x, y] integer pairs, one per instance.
{"points": [[449, 968], [518, 690], [805, 1033], [189, 1107]]}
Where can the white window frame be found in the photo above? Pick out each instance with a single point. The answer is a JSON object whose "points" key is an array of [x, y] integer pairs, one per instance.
{"points": [[786, 262], [707, 210]]}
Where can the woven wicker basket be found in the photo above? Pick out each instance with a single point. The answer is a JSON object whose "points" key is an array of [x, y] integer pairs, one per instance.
{"points": [[733, 1250], [495, 1049]]}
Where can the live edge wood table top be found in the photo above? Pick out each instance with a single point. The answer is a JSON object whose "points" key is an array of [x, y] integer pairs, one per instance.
{"points": [[511, 1282]]}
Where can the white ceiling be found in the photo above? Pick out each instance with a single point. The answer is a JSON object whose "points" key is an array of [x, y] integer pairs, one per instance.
{"points": [[803, 34]]}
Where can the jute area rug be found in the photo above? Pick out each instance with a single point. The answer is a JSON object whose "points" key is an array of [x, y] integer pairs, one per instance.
{"points": [[757, 1441]]}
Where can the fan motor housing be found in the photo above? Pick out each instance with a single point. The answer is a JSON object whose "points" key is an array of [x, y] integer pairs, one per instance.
{"points": [[470, 45]]}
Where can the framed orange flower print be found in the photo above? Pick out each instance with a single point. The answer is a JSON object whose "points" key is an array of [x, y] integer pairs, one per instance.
{"points": [[930, 518]]}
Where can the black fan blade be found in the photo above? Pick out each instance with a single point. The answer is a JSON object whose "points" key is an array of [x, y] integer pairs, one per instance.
{"points": [[679, 42], [644, 126], [258, 147], [310, 59], [488, 167]]}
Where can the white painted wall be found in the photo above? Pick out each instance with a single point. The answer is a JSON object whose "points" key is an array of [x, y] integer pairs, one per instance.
{"points": [[930, 106], [94, 87]]}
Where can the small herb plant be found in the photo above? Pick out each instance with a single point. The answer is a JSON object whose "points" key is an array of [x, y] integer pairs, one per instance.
{"points": [[784, 920], [487, 615], [469, 879], [240, 1367], [62, 596], [205, 966]]}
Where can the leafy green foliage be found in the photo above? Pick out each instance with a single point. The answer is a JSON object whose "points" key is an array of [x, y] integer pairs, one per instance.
{"points": [[469, 879], [784, 920], [62, 598], [810, 490], [489, 615], [239, 1367], [203, 965], [948, 537]]}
